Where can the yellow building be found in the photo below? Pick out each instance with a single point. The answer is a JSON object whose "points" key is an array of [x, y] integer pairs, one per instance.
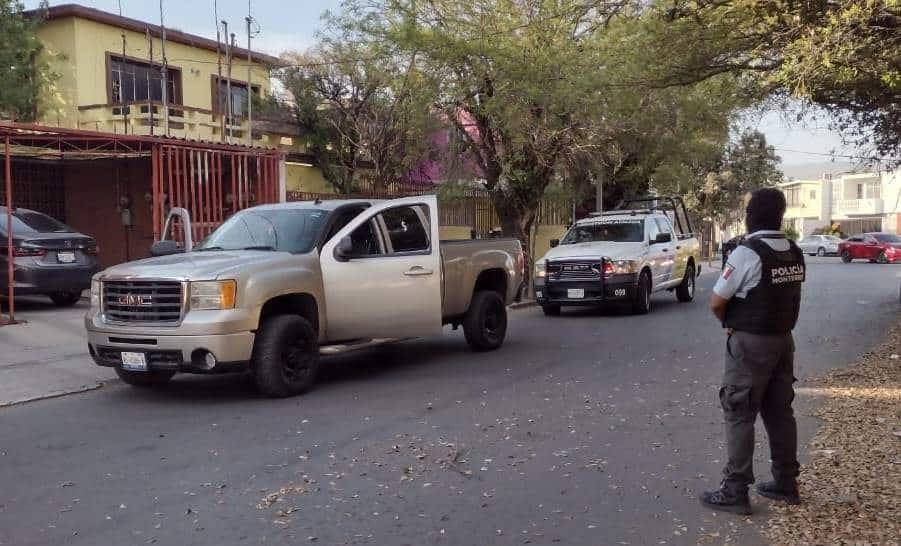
{"points": [[110, 79]]}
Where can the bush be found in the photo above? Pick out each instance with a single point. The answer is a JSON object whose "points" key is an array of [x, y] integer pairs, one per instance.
{"points": [[791, 233]]}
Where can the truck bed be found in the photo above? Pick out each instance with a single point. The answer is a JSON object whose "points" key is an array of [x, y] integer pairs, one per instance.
{"points": [[464, 260]]}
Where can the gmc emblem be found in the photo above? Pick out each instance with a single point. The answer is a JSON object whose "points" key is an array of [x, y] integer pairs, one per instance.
{"points": [[135, 300]]}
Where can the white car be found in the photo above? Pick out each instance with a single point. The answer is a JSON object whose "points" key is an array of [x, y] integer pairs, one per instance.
{"points": [[820, 245]]}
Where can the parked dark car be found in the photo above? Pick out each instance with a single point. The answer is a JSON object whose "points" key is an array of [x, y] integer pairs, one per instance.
{"points": [[49, 257], [730, 246], [876, 247]]}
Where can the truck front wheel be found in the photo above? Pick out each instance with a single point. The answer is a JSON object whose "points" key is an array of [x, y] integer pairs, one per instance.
{"points": [[285, 356], [641, 304], [485, 324], [152, 378]]}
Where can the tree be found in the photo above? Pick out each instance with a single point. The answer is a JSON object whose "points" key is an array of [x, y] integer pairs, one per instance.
{"points": [[359, 111], [844, 56], [24, 72], [747, 165]]}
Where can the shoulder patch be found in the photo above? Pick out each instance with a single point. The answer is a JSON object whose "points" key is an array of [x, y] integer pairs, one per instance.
{"points": [[728, 272]]}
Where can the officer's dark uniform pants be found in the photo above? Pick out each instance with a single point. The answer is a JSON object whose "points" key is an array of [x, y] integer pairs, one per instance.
{"points": [[758, 378]]}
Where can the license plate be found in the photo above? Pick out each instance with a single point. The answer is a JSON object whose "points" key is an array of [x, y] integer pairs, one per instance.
{"points": [[65, 257], [575, 293], [135, 362]]}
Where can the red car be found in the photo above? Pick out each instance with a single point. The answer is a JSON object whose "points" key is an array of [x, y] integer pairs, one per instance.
{"points": [[882, 248]]}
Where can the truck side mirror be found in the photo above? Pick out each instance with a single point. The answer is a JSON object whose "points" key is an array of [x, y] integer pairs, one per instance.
{"points": [[344, 250], [555, 243], [165, 248], [663, 238]]}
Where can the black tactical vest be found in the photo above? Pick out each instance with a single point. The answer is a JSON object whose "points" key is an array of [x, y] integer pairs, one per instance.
{"points": [[771, 307]]}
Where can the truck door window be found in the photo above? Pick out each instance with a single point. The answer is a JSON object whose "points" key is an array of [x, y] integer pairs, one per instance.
{"points": [[365, 240], [653, 230], [405, 228]]}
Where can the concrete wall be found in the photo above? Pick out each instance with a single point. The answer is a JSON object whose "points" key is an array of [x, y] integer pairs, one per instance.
{"points": [[306, 178]]}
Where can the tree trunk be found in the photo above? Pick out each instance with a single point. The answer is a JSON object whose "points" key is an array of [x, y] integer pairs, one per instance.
{"points": [[517, 223]]}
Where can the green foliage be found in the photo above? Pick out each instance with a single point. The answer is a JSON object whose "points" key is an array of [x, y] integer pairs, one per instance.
{"points": [[791, 233], [844, 56], [24, 72]]}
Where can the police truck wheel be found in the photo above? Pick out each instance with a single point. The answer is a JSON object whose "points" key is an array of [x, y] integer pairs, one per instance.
{"points": [[685, 292], [551, 310], [285, 356], [641, 304], [485, 324], [821, 252], [153, 378], [846, 256]]}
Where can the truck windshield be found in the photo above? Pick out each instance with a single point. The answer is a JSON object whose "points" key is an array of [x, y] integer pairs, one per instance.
{"points": [[284, 230], [618, 232]]}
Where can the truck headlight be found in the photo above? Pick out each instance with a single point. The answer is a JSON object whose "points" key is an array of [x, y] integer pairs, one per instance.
{"points": [[624, 267], [540, 269], [95, 293], [213, 295]]}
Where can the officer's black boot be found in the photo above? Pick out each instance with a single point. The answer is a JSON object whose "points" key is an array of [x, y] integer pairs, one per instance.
{"points": [[728, 499], [780, 491]]}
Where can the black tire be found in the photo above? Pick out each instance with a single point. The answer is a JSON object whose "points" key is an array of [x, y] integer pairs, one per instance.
{"points": [[551, 310], [485, 324], [65, 299], [153, 378], [285, 356], [846, 256], [821, 252], [641, 304], [882, 258], [685, 292]]}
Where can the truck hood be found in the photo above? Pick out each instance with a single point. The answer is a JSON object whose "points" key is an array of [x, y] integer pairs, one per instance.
{"points": [[195, 266], [614, 251]]}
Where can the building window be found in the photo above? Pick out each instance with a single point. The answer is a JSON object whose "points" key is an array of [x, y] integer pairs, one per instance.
{"points": [[239, 96], [813, 194], [875, 191], [137, 81], [860, 191]]}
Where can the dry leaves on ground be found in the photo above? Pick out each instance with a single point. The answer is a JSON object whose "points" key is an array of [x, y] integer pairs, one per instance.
{"points": [[852, 484]]}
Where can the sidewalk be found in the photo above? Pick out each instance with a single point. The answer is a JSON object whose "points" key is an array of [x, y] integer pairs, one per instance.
{"points": [[47, 355]]}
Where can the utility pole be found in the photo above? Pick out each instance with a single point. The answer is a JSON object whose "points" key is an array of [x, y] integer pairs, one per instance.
{"points": [[219, 72], [599, 196], [150, 43], [122, 75], [249, 88], [228, 81], [165, 73]]}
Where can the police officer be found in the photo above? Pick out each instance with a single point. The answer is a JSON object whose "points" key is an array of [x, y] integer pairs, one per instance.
{"points": [[757, 299]]}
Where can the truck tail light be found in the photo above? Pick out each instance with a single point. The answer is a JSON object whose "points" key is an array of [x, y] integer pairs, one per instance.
{"points": [[92, 249], [21, 252]]}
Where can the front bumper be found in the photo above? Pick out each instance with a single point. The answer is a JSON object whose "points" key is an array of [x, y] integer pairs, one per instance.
{"points": [[611, 289], [182, 353]]}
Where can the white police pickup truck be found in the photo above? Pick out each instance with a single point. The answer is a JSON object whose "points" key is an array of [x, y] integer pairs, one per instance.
{"points": [[621, 256]]}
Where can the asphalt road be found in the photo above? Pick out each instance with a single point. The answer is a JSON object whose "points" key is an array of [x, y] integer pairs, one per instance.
{"points": [[592, 428]]}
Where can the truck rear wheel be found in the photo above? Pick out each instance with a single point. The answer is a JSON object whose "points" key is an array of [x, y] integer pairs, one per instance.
{"points": [[641, 305], [285, 356], [485, 324], [153, 378], [685, 292]]}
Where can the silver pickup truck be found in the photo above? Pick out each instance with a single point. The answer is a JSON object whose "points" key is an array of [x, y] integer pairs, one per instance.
{"points": [[276, 286]]}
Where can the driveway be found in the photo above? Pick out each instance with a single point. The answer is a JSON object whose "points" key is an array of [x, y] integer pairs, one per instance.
{"points": [[591, 428]]}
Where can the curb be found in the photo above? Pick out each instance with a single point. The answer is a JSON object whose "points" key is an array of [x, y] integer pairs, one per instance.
{"points": [[49, 396]]}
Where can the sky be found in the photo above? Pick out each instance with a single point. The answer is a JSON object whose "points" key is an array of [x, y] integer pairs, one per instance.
{"points": [[292, 25]]}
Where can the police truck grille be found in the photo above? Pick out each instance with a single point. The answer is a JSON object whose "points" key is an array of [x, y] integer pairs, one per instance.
{"points": [[574, 271], [142, 301]]}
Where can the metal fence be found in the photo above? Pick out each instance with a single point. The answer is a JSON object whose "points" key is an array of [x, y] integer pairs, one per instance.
{"points": [[471, 208]]}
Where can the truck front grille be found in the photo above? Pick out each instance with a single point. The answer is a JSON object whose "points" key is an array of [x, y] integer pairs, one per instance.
{"points": [[143, 301], [574, 271]]}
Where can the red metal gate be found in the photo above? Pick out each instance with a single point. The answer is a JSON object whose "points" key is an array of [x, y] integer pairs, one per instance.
{"points": [[211, 184]]}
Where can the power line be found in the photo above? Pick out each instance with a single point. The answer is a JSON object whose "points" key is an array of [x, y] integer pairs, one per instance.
{"points": [[841, 156]]}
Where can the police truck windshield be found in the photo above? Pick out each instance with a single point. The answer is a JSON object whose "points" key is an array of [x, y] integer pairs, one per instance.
{"points": [[614, 232]]}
